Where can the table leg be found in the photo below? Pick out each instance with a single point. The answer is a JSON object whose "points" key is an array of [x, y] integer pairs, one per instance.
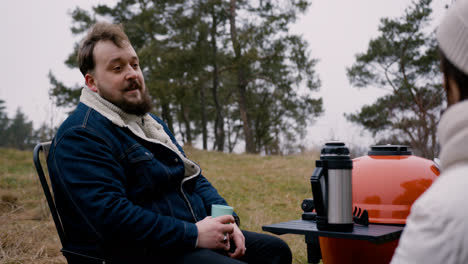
{"points": [[313, 249]]}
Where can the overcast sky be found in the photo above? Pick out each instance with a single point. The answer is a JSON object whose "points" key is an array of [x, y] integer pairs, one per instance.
{"points": [[36, 39]]}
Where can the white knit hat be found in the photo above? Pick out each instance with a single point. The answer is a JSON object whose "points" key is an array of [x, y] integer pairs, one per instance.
{"points": [[452, 35]]}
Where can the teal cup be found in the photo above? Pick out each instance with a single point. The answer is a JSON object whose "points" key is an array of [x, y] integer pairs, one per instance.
{"points": [[219, 210]]}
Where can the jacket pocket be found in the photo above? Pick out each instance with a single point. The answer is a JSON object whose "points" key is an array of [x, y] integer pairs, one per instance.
{"points": [[139, 154], [140, 185]]}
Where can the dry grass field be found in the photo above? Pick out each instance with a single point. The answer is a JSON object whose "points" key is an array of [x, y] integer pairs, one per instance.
{"points": [[263, 190]]}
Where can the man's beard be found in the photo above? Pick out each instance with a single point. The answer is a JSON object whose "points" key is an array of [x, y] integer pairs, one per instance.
{"points": [[139, 108]]}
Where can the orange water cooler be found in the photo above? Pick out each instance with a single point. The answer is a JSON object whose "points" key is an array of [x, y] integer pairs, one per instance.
{"points": [[386, 183]]}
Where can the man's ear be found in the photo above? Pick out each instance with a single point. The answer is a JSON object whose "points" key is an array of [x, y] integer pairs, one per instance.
{"points": [[91, 82]]}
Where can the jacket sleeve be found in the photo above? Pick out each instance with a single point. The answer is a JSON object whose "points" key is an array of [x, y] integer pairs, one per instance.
{"points": [[91, 176], [431, 234]]}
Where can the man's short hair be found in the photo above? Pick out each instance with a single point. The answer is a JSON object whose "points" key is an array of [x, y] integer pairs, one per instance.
{"points": [[100, 31]]}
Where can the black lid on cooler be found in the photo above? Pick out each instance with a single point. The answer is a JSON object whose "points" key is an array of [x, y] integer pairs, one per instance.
{"points": [[389, 150]]}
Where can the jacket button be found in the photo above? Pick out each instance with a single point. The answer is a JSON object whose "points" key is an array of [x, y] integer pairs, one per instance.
{"points": [[176, 160]]}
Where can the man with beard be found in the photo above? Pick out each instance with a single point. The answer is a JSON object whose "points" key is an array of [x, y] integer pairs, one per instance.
{"points": [[124, 189]]}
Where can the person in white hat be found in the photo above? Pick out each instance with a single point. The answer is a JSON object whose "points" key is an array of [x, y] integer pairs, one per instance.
{"points": [[437, 228]]}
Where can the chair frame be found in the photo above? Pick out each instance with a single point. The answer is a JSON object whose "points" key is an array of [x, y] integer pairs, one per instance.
{"points": [[69, 255]]}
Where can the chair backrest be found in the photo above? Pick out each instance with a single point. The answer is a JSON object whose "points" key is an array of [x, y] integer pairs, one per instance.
{"points": [[44, 148], [72, 257]]}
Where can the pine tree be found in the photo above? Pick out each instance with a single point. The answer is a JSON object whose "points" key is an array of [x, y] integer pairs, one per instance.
{"points": [[4, 124], [404, 60], [20, 132]]}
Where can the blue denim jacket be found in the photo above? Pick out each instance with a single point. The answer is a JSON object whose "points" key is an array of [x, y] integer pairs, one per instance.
{"points": [[115, 190]]}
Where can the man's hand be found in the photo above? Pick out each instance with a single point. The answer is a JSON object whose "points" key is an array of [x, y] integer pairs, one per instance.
{"points": [[212, 231], [239, 241]]}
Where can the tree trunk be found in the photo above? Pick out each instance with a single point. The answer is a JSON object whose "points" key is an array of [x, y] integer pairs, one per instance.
{"points": [[219, 120], [241, 81], [186, 121], [166, 116], [232, 131], [203, 117]]}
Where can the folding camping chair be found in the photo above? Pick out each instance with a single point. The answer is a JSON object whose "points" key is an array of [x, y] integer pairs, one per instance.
{"points": [[72, 257]]}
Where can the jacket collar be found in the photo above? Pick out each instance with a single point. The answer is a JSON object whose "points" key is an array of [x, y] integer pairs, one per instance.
{"points": [[453, 134], [107, 109], [145, 127]]}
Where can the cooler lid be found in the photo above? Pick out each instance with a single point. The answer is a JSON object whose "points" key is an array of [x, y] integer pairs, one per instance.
{"points": [[389, 150]]}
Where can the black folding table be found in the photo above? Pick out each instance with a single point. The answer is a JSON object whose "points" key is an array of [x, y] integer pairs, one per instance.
{"points": [[375, 233]]}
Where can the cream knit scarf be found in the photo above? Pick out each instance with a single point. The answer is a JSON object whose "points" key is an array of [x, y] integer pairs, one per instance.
{"points": [[144, 126], [453, 135]]}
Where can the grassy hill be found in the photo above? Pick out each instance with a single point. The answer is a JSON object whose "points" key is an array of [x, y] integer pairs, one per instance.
{"points": [[263, 190]]}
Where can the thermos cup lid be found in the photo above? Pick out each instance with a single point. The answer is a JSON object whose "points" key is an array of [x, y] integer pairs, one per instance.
{"points": [[334, 155], [334, 148]]}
